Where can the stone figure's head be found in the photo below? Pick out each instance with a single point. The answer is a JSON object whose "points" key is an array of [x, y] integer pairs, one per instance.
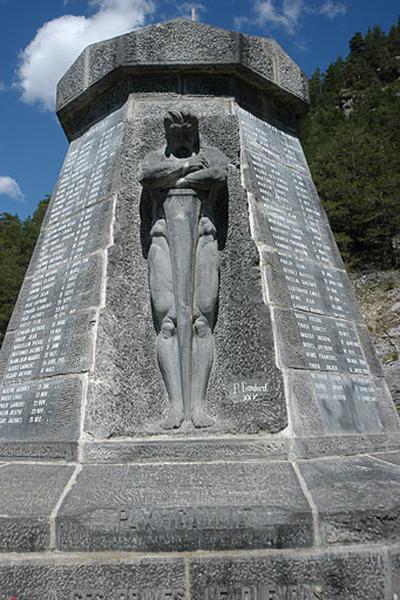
{"points": [[182, 133]]}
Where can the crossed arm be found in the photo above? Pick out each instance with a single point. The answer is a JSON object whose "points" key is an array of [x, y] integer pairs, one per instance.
{"points": [[163, 172]]}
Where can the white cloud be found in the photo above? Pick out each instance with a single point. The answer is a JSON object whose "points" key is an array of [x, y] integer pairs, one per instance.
{"points": [[332, 9], [288, 14], [9, 187], [2, 84], [58, 43]]}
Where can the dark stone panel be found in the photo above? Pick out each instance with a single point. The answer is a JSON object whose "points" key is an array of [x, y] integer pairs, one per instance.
{"points": [[93, 579], [327, 576], [129, 397], [319, 343], [164, 507], [357, 499], [42, 410], [73, 82], [74, 286], [61, 346], [306, 285], [334, 403], [180, 41], [160, 83], [208, 85], [178, 450], [28, 495]]}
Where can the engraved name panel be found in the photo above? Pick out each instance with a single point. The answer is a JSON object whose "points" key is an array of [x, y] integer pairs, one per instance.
{"points": [[50, 347], [309, 286], [330, 345], [26, 409], [347, 404], [88, 169]]}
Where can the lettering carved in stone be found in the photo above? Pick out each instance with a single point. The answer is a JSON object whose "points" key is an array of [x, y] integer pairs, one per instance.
{"points": [[183, 184]]}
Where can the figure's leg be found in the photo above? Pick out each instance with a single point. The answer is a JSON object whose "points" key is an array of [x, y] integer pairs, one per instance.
{"points": [[168, 360], [162, 295], [206, 294]]}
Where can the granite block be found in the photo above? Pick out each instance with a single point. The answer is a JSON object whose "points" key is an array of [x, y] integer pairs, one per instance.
{"points": [[66, 578], [180, 507], [28, 495], [357, 498], [179, 450], [327, 576]]}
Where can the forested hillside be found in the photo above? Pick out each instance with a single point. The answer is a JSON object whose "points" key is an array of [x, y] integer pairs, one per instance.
{"points": [[17, 241], [352, 141]]}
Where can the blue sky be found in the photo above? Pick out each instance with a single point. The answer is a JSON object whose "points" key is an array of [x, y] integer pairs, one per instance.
{"points": [[40, 38]]}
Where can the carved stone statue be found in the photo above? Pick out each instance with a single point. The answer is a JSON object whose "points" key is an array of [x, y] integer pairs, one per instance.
{"points": [[183, 182]]}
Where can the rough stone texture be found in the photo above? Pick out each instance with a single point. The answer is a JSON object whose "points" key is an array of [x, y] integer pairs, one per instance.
{"points": [[74, 81], [93, 579], [180, 41], [178, 450], [185, 507], [395, 573], [25, 513], [390, 457], [379, 295], [357, 499], [176, 45], [103, 57], [127, 395], [344, 445], [290, 75], [330, 576]]}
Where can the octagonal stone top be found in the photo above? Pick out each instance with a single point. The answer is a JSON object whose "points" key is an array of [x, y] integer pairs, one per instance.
{"points": [[180, 46]]}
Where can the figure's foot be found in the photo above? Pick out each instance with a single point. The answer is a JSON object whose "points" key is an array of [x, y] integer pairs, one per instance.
{"points": [[200, 419], [174, 419]]}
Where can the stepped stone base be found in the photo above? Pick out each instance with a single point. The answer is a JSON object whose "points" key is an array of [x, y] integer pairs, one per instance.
{"points": [[325, 529]]}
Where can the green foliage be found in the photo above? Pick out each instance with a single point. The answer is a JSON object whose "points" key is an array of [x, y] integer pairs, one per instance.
{"points": [[351, 139], [17, 241]]}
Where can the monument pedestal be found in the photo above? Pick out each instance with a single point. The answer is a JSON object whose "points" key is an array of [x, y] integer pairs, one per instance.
{"points": [[292, 493]]}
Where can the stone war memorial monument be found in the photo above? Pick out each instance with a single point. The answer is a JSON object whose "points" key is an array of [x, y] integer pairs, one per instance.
{"points": [[190, 404]]}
